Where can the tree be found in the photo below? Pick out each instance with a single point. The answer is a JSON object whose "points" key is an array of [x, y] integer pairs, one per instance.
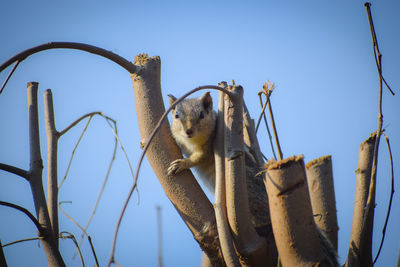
{"points": [[195, 209]]}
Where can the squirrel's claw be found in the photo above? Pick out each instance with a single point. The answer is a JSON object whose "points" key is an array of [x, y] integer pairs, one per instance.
{"points": [[176, 166]]}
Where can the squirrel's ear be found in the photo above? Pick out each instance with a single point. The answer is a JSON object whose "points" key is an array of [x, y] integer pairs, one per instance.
{"points": [[171, 99], [207, 101]]}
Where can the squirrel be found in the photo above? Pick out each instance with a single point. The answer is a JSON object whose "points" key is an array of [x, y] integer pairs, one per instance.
{"points": [[193, 128]]}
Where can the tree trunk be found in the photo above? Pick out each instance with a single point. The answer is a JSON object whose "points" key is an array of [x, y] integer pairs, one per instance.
{"points": [[182, 189]]}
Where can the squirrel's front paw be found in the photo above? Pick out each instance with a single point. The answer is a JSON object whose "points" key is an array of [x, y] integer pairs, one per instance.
{"points": [[177, 166]]}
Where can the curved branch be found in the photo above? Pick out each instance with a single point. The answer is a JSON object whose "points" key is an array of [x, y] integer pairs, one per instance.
{"points": [[15, 170], [72, 237], [390, 198], [129, 66], [9, 75], [33, 219], [146, 147], [20, 241], [91, 114], [84, 232]]}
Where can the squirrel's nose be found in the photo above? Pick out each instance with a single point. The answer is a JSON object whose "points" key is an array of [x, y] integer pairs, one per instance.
{"points": [[189, 131]]}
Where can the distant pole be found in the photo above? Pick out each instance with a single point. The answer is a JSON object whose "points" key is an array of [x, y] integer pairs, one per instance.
{"points": [[160, 264]]}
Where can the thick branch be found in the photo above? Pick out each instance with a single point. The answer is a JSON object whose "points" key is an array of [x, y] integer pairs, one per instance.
{"points": [[70, 45], [14, 170], [292, 220], [363, 179], [224, 231], [182, 189], [35, 179], [52, 176], [3, 261], [250, 246], [322, 195]]}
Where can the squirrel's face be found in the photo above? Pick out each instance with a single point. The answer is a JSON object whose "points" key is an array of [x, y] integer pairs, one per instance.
{"points": [[193, 118]]}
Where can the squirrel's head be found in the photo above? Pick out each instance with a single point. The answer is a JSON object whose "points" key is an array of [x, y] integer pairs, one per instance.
{"points": [[193, 118]]}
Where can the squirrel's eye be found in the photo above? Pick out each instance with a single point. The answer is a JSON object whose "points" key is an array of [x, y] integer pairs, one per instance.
{"points": [[201, 115], [176, 116]]}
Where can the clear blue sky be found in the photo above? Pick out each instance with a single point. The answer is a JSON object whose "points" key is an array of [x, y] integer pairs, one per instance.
{"points": [[318, 53]]}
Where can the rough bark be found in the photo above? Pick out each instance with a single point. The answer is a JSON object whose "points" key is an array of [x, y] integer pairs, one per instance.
{"points": [[182, 189], [224, 231], [291, 214], [322, 195], [363, 178], [35, 179], [252, 249]]}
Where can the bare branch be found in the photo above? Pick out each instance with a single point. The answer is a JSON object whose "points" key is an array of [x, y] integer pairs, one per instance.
{"points": [[52, 176], [224, 231], [83, 231], [22, 240], [251, 135], [159, 233], [291, 214], [369, 209], [322, 195], [15, 170], [268, 88], [73, 151], [250, 246], [91, 114], [72, 220], [27, 213], [390, 198], [148, 131], [363, 179], [129, 66], [93, 251], [263, 106], [377, 54], [3, 261], [9, 76], [35, 171], [72, 237]]}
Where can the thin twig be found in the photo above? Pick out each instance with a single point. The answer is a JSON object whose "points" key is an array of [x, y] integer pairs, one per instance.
{"points": [[372, 188], [105, 179], [377, 54], [91, 114], [22, 240], [72, 220], [104, 184], [268, 88], [390, 198], [93, 250], [33, 219], [83, 231], [159, 233], [72, 237], [75, 147], [262, 113], [15, 170], [265, 121], [9, 76], [157, 127]]}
